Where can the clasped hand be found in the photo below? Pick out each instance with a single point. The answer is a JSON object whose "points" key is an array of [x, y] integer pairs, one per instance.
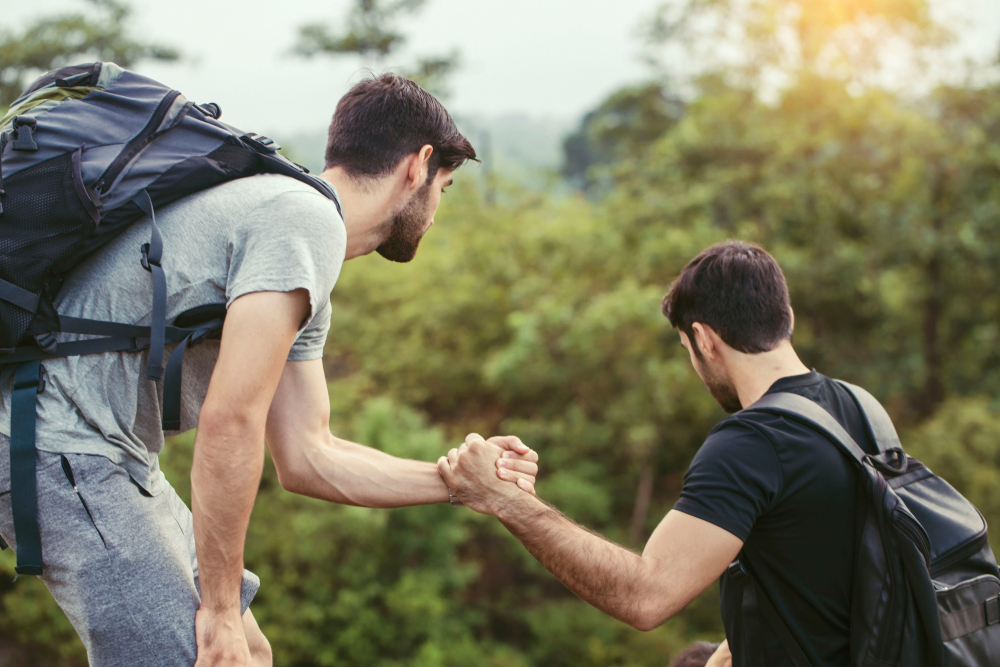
{"points": [[485, 474]]}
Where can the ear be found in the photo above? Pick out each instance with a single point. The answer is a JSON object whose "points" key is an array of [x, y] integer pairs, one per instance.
{"points": [[706, 340], [420, 161]]}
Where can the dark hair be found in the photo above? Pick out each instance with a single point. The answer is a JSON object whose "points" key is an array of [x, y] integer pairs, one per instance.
{"points": [[386, 117], [695, 656], [737, 289]]}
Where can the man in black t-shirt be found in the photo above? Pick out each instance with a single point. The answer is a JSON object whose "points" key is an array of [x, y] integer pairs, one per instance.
{"points": [[767, 486]]}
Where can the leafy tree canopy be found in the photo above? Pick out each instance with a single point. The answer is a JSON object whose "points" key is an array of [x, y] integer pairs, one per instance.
{"points": [[373, 34]]}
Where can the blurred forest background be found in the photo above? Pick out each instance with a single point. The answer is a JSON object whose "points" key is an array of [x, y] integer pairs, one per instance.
{"points": [[830, 132]]}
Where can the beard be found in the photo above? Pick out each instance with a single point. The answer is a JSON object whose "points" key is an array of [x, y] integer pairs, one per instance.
{"points": [[720, 387], [408, 227]]}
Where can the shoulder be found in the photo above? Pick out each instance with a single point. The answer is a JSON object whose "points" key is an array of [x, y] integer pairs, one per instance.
{"points": [[738, 432], [243, 195], [285, 206], [738, 446], [739, 449]]}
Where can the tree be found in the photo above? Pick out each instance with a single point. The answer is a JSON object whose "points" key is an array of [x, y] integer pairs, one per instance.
{"points": [[55, 41], [620, 128], [373, 35]]}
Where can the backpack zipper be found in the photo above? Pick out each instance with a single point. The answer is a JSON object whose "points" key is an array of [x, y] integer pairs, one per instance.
{"points": [[3, 145], [136, 145], [958, 554], [910, 527], [913, 530]]}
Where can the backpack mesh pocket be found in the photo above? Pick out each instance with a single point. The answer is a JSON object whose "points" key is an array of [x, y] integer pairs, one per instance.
{"points": [[44, 222]]}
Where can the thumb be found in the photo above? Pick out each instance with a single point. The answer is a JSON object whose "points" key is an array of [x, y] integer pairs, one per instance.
{"points": [[510, 443], [447, 474]]}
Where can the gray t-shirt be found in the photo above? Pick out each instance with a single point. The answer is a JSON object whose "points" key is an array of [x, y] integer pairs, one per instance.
{"points": [[264, 233]]}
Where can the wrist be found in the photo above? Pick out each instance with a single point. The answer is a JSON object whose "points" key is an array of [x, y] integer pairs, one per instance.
{"points": [[221, 603], [510, 508], [221, 611]]}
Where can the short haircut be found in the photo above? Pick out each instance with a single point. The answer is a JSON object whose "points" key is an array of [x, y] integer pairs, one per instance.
{"points": [[383, 119], [695, 655], [738, 290]]}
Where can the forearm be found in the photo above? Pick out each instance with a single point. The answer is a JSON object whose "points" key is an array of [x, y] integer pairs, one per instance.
{"points": [[345, 472], [617, 581], [225, 474]]}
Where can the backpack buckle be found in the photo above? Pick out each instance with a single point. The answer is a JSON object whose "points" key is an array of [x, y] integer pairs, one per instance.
{"points": [[991, 608], [736, 571], [145, 258], [261, 143], [210, 109], [23, 139], [47, 342], [29, 382]]}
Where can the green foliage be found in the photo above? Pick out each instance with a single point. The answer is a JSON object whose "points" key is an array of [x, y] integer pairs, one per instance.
{"points": [[32, 627], [622, 127], [372, 34], [56, 41]]}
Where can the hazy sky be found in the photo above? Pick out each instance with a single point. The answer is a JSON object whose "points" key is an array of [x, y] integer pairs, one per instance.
{"points": [[543, 58]]}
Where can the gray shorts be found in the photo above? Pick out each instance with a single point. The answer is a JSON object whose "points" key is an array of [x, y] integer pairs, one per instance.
{"points": [[120, 562]]}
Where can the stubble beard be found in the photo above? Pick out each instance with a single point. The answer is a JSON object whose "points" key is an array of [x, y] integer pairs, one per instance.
{"points": [[407, 228], [720, 387]]}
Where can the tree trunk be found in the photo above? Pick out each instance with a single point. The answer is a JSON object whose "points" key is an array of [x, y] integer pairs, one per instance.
{"points": [[643, 494], [932, 392]]}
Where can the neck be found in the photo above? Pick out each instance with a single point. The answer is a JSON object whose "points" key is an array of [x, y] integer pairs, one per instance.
{"points": [[753, 374], [367, 210]]}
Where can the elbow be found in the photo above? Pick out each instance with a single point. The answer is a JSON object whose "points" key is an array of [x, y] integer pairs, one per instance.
{"points": [[289, 479], [644, 623], [291, 471], [303, 467], [650, 615]]}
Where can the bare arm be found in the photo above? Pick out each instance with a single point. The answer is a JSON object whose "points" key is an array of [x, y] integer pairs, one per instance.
{"points": [[311, 461], [682, 558], [228, 458]]}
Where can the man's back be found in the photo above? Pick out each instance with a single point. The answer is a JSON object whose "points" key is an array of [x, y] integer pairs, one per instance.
{"points": [[264, 233], [791, 496]]}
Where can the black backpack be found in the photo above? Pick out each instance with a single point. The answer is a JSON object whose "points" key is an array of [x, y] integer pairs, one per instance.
{"points": [[86, 151], [926, 590]]}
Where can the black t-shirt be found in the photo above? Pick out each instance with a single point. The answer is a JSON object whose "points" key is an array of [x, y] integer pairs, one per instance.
{"points": [[790, 495]]}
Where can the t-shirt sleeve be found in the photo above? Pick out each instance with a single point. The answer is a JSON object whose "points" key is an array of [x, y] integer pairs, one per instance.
{"points": [[312, 339], [295, 240], [734, 478]]}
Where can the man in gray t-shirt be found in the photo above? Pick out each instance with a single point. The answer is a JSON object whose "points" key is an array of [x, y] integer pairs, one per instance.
{"points": [[143, 579], [265, 233]]}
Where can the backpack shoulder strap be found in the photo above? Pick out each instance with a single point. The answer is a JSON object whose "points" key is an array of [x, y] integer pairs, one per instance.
{"points": [[803, 409], [876, 418]]}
